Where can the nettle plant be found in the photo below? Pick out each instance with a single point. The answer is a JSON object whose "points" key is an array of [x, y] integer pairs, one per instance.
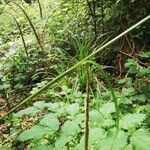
{"points": [[60, 124]]}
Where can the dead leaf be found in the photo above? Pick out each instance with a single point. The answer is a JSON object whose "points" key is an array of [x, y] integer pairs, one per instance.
{"points": [[2, 113], [2, 102]]}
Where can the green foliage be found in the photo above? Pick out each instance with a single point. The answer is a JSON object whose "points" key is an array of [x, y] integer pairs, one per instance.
{"points": [[70, 128], [141, 139], [96, 118], [107, 108], [36, 132], [110, 142], [95, 135], [67, 32], [73, 109], [51, 121], [43, 147], [131, 120], [63, 123], [31, 111]]}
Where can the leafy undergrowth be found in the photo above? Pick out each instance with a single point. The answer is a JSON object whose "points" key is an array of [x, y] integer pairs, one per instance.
{"points": [[54, 41], [57, 121], [60, 124]]}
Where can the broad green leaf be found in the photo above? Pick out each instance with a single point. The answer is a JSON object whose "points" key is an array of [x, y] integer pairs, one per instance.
{"points": [[40, 104], [143, 72], [140, 98], [79, 118], [108, 123], [127, 80], [4, 86], [62, 109], [31, 111], [112, 143], [95, 134], [4, 147], [51, 121], [128, 91], [125, 100], [65, 90], [128, 147], [107, 108], [147, 108], [62, 141], [73, 109], [131, 120], [140, 140], [145, 89], [95, 117], [36, 132], [52, 106], [42, 147], [145, 54], [70, 128], [132, 66]]}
